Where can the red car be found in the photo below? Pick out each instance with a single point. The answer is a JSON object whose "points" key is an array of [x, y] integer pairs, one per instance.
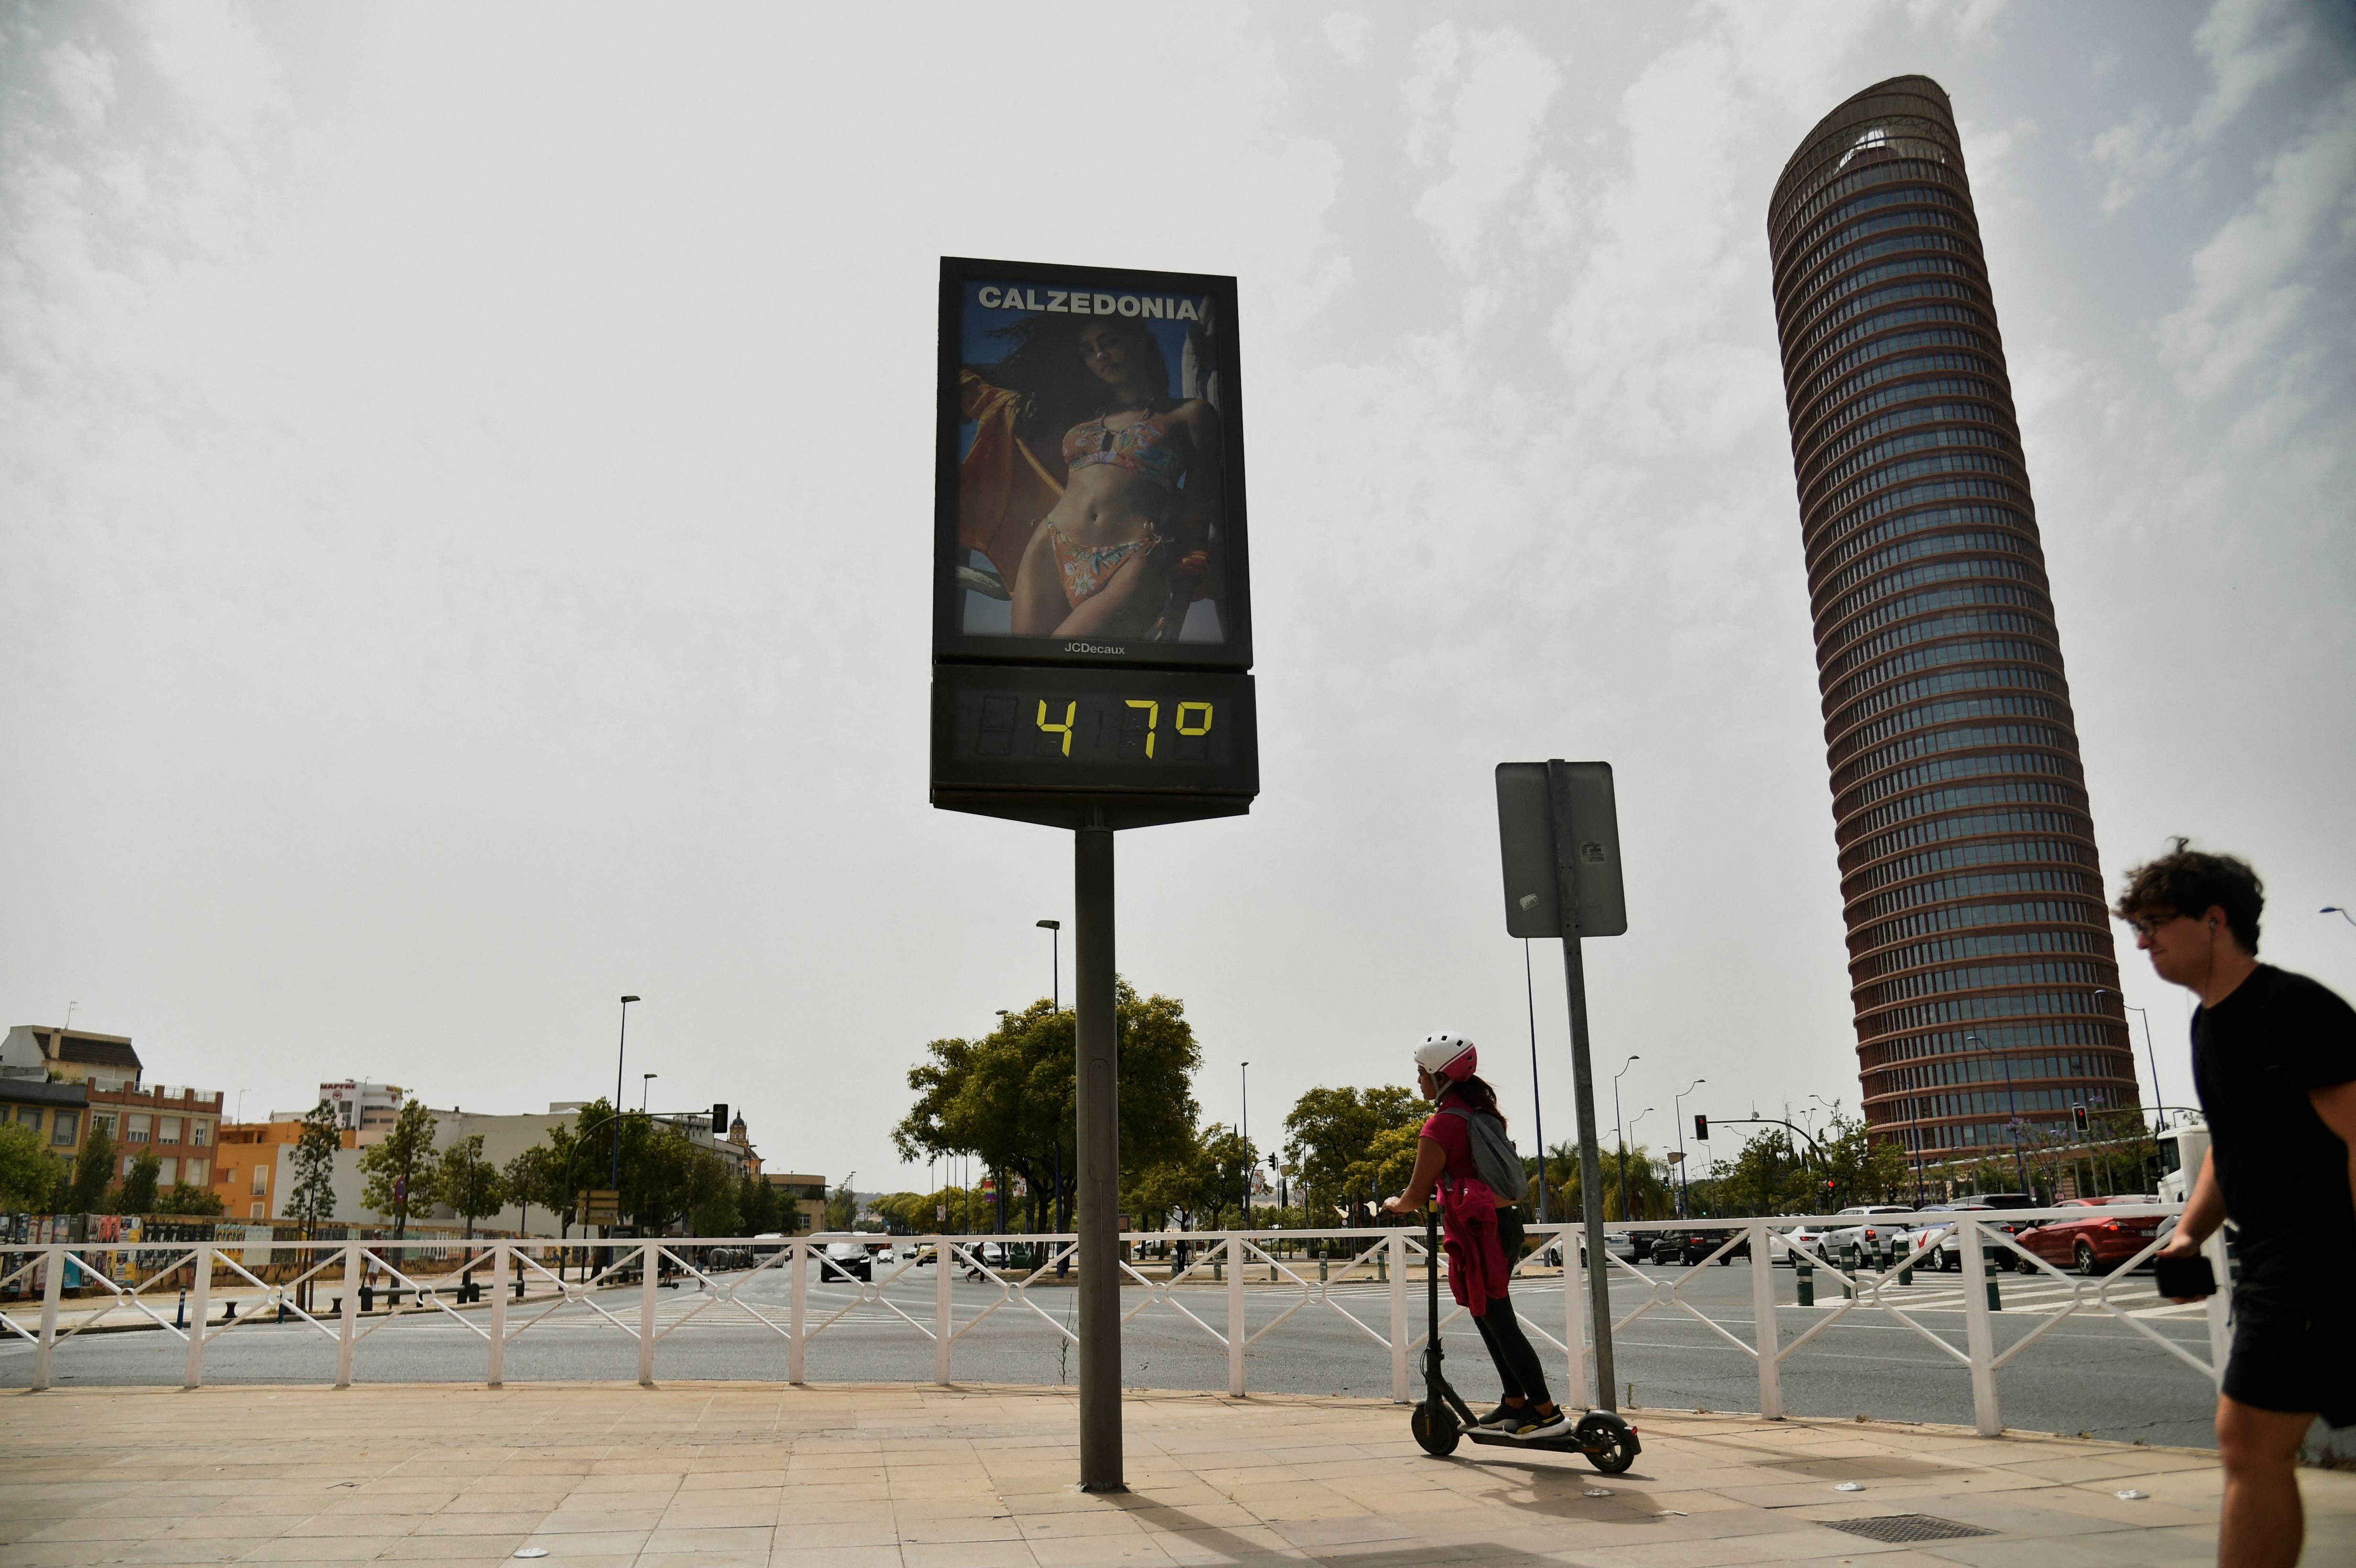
{"points": [[2094, 1246]]}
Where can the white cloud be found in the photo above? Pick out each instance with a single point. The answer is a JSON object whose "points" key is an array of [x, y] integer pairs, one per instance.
{"points": [[1477, 105], [208, 49], [2255, 282], [83, 80], [1346, 31], [2247, 45]]}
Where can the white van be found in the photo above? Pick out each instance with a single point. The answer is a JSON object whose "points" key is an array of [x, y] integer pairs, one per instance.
{"points": [[2182, 1147]]}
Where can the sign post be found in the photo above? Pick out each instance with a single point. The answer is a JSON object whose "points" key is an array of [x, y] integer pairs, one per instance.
{"points": [[1091, 632], [1559, 829]]}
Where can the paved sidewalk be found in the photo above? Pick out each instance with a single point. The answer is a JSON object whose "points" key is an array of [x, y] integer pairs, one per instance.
{"points": [[858, 1477]]}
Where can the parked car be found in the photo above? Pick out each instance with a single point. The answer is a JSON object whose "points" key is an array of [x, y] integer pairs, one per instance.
{"points": [[1695, 1242], [1854, 1226], [1808, 1238], [2094, 1244], [1949, 1254], [1945, 1251]]}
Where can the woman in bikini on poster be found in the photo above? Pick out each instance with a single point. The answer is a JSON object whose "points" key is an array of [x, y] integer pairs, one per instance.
{"points": [[1126, 549]]}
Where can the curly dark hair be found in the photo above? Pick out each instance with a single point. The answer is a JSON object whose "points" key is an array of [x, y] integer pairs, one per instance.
{"points": [[1474, 1092], [1045, 364], [2188, 881]]}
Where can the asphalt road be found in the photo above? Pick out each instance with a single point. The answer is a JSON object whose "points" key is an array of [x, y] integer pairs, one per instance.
{"points": [[2093, 1373]]}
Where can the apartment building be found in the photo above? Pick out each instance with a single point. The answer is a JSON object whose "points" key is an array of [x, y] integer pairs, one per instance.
{"points": [[177, 1126], [72, 1056]]}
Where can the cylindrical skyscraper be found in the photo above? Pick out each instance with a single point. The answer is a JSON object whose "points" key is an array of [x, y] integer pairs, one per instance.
{"points": [[1977, 934]]}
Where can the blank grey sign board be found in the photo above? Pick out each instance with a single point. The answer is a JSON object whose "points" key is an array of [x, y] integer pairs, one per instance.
{"points": [[1525, 837]]}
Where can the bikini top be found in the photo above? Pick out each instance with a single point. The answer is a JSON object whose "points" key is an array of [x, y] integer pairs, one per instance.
{"points": [[1142, 448]]}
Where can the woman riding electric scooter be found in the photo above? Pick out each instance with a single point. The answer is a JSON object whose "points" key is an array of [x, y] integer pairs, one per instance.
{"points": [[1484, 1230]]}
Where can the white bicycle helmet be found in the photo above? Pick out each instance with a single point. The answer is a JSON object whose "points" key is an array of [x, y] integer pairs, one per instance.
{"points": [[1447, 1055]]}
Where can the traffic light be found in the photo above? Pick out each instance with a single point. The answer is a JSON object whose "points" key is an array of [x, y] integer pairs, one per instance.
{"points": [[1701, 1127], [1271, 1162], [720, 1118], [2078, 1119]]}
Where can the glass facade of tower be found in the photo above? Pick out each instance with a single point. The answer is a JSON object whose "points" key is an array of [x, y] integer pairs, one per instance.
{"points": [[1977, 935]]}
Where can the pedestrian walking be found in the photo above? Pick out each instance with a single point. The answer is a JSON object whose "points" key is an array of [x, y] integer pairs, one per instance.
{"points": [[2273, 1059], [1463, 1152]]}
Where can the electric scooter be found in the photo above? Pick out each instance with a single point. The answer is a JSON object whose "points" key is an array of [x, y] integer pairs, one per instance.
{"points": [[1609, 1443]]}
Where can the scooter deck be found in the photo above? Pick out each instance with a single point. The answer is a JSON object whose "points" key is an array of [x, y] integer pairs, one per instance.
{"points": [[1545, 1445]]}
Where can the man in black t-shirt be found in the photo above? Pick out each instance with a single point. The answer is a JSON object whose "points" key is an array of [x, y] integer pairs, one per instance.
{"points": [[2273, 1055]]}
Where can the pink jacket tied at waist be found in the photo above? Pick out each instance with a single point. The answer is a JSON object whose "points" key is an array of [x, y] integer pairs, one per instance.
{"points": [[1477, 1270]]}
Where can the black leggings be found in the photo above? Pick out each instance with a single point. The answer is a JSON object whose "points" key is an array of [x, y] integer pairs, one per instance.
{"points": [[1518, 1369]]}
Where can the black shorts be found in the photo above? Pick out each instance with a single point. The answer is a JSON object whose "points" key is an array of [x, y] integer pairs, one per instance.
{"points": [[2292, 1352]]}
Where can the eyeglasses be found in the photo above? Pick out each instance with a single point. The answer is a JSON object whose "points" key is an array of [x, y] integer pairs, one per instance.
{"points": [[2146, 924]]}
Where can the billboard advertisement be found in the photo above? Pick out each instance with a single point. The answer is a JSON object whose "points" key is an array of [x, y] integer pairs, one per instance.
{"points": [[1089, 496]]}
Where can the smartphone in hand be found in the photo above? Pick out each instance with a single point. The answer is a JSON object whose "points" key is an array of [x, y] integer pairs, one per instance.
{"points": [[2184, 1278]]}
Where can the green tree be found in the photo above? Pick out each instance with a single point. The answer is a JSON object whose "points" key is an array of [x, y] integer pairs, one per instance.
{"points": [[137, 1194], [535, 1177], [28, 1171], [93, 1172], [1860, 1168], [715, 1213], [467, 1182], [842, 1205], [1329, 1141], [1768, 1177], [666, 1176], [311, 1193], [1007, 1097], [1646, 1196], [906, 1213], [399, 1168], [760, 1208], [180, 1197]]}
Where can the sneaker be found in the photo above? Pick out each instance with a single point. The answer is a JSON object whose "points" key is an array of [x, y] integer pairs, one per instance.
{"points": [[1536, 1427], [1505, 1418]]}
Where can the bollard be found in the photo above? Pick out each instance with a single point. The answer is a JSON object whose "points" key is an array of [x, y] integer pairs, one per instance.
{"points": [[1321, 1270], [1383, 1266], [1804, 1270], [368, 1296], [518, 1284], [1219, 1271], [1906, 1269], [229, 1316], [1989, 1266], [180, 1318], [1849, 1266]]}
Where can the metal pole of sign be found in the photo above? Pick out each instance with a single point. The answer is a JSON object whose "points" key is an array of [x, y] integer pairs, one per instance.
{"points": [[1591, 1167], [1538, 1103], [1098, 1137]]}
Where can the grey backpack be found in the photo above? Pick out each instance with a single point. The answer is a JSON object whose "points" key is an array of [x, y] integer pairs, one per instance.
{"points": [[1493, 1157]]}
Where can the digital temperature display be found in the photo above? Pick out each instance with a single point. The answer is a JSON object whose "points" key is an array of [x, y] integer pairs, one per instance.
{"points": [[999, 729]]}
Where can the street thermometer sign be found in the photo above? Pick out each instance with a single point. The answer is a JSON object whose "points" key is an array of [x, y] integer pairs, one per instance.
{"points": [[1091, 632]]}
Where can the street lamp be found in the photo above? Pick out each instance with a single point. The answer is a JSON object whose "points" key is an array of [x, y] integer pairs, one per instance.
{"points": [[1252, 1167], [1676, 1115], [2157, 1121], [1623, 1164], [621, 1047], [1621, 1133], [2019, 1171], [2335, 909], [1054, 962], [646, 1082]]}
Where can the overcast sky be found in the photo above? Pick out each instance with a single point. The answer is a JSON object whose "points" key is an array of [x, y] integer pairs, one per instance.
{"points": [[465, 499]]}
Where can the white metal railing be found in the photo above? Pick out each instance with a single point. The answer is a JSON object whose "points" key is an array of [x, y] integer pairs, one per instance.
{"points": [[517, 1287]]}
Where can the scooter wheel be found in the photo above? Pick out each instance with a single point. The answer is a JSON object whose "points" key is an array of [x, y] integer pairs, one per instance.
{"points": [[1608, 1442], [1435, 1429]]}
